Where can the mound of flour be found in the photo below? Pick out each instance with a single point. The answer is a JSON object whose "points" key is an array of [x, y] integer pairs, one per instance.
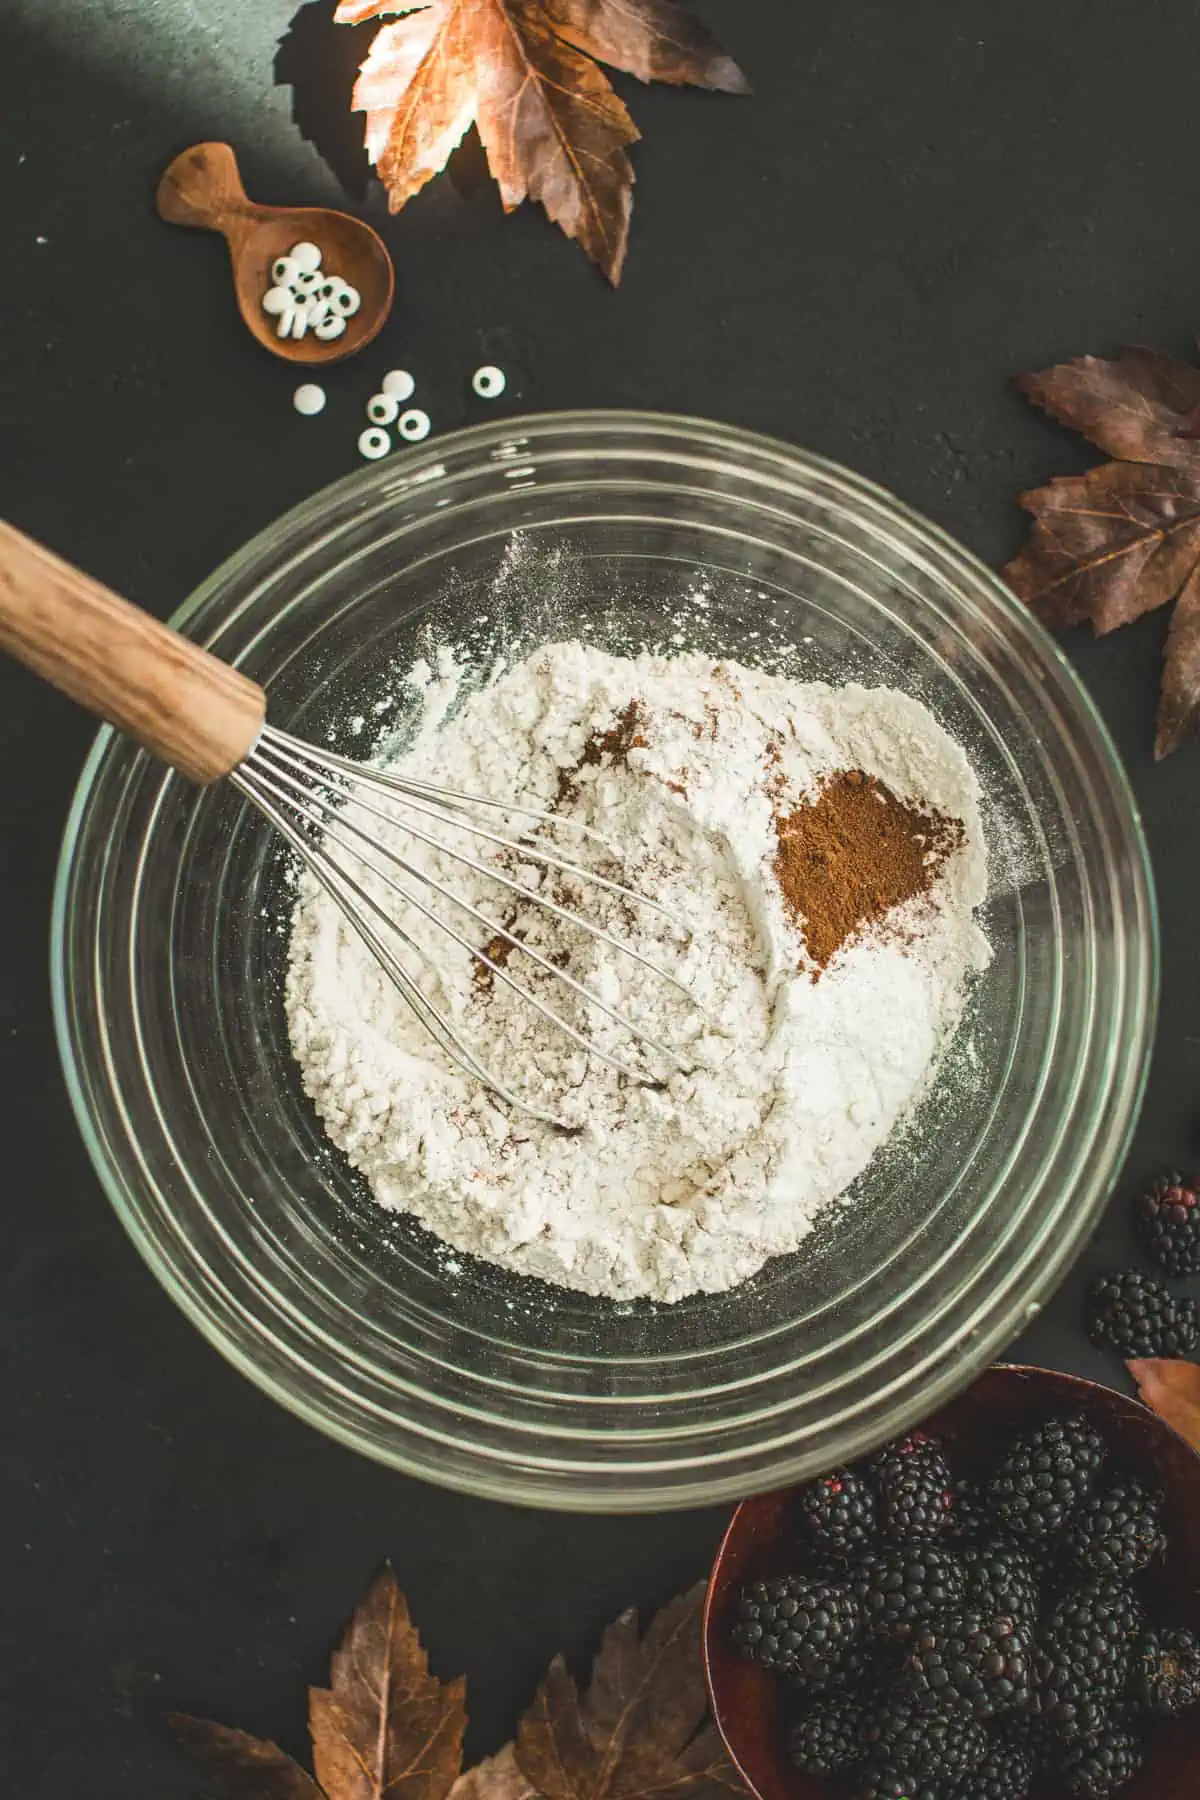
{"points": [[782, 1080]]}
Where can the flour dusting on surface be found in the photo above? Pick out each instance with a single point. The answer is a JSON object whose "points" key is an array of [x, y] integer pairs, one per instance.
{"points": [[787, 1076]]}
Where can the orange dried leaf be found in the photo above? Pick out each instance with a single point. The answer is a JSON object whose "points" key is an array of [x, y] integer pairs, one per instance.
{"points": [[639, 1729], [242, 1767], [495, 1778], [522, 71], [1171, 1389], [385, 1728]]}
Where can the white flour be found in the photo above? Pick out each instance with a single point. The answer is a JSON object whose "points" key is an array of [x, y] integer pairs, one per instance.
{"points": [[790, 1083]]}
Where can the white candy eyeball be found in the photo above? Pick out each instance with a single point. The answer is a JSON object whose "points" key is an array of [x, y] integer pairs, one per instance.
{"points": [[299, 322], [399, 384], [316, 309], [284, 271], [489, 382], [414, 425], [277, 300], [331, 326], [374, 443], [382, 409], [306, 257], [347, 300], [305, 284], [331, 285], [309, 400], [286, 321]]}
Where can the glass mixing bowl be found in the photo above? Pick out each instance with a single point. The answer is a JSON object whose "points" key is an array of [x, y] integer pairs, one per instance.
{"points": [[170, 941]]}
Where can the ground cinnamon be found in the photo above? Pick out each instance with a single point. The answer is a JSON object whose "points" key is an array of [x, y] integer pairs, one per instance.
{"points": [[848, 857]]}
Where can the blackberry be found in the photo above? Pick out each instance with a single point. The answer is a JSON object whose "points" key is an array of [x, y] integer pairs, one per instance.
{"points": [[1026, 1734], [969, 1515], [888, 1784], [801, 1627], [1085, 1652], [1166, 1672], [933, 1745], [1137, 1316], [830, 1739], [1169, 1217], [914, 1490], [1098, 1767], [1002, 1581], [1045, 1477], [977, 1665], [899, 1588], [1004, 1774], [837, 1513], [1116, 1532]]}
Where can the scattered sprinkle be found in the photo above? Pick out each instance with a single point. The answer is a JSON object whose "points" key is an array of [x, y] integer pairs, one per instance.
{"points": [[309, 400]]}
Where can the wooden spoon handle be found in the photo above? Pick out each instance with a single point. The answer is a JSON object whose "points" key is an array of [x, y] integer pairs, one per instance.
{"points": [[182, 704], [203, 187]]}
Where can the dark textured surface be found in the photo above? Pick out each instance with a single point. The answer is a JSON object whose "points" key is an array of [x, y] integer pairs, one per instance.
{"points": [[919, 200]]}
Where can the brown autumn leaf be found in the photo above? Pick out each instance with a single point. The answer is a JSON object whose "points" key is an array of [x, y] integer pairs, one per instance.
{"points": [[1134, 407], [495, 1778], [242, 1767], [1179, 703], [385, 1728], [1123, 539], [1171, 1389], [639, 1729], [524, 72]]}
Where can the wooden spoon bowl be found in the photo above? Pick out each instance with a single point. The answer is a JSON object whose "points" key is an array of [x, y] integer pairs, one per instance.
{"points": [[203, 188], [752, 1709]]}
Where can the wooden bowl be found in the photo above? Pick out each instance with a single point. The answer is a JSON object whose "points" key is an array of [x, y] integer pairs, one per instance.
{"points": [[751, 1708]]}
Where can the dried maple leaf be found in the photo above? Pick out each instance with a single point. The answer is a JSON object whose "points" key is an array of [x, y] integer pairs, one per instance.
{"points": [[385, 1728], [495, 1778], [523, 72], [639, 1729], [1171, 1389], [242, 1767], [1123, 539]]}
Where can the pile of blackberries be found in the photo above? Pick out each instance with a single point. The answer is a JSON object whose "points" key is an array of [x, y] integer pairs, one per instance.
{"points": [[952, 1638], [1137, 1315]]}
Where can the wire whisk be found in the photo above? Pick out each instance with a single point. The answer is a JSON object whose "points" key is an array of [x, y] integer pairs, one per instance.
{"points": [[338, 816]]}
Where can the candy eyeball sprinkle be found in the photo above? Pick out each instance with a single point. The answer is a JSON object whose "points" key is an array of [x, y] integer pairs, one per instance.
{"points": [[316, 309], [347, 300], [307, 257], [283, 271], [330, 287], [309, 400], [331, 326], [305, 284], [399, 384], [286, 321], [382, 409], [277, 300], [414, 425], [374, 443], [489, 382]]}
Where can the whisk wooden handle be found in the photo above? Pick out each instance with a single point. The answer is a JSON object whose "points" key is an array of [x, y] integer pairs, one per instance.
{"points": [[185, 706]]}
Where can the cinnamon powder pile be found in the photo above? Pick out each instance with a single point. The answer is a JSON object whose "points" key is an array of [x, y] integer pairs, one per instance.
{"points": [[848, 857]]}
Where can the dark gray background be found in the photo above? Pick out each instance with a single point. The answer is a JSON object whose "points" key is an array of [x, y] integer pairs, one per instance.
{"points": [[919, 200]]}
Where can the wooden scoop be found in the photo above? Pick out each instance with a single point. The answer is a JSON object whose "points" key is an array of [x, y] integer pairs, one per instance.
{"points": [[203, 187]]}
